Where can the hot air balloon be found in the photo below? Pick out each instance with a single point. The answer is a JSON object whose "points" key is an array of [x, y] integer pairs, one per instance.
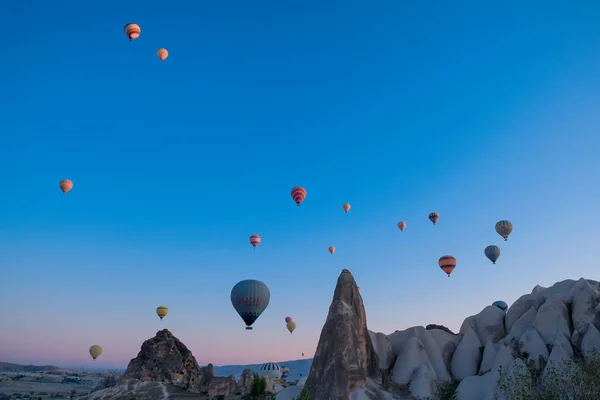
{"points": [[298, 194], [65, 185], [433, 217], [271, 370], [401, 225], [492, 252], [250, 298], [331, 249], [288, 319], [132, 31], [501, 305], [346, 207], [255, 240], [95, 351], [504, 228], [447, 264], [358, 287], [291, 326], [162, 311], [162, 54], [285, 372], [302, 354]]}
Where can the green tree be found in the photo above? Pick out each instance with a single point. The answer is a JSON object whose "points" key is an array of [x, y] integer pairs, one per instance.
{"points": [[258, 389], [304, 394], [577, 378]]}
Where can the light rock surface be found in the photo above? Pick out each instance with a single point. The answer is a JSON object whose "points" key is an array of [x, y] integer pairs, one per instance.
{"points": [[545, 327]]}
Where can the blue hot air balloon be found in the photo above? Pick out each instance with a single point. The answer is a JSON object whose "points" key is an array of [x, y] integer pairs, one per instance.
{"points": [[250, 298], [501, 305], [492, 252]]}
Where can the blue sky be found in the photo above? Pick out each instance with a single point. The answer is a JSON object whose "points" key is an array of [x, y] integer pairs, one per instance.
{"points": [[479, 112]]}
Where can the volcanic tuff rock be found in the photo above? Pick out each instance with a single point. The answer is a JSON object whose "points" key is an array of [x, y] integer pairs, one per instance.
{"points": [[345, 357]]}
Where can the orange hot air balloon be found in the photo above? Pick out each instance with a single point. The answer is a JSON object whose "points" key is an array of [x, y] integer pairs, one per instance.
{"points": [[254, 240], [346, 207], [162, 54], [331, 249], [433, 217], [65, 185], [402, 225], [132, 31], [298, 194], [447, 264]]}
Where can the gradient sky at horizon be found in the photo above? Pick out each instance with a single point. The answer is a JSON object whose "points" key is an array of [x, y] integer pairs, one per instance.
{"points": [[480, 112]]}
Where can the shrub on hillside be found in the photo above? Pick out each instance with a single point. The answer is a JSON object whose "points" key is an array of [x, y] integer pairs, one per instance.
{"points": [[577, 378]]}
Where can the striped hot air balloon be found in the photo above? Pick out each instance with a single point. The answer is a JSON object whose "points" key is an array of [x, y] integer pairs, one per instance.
{"points": [[298, 194], [433, 217], [402, 225], [447, 264], [65, 185], [492, 252], [255, 240], [132, 31], [504, 228], [162, 311]]}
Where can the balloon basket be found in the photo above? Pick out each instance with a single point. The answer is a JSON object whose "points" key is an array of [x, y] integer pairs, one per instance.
{"points": [[248, 328]]}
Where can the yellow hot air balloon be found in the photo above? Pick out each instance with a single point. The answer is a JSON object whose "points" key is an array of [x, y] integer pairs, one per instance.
{"points": [[162, 54], [162, 311], [291, 326], [95, 351], [331, 249]]}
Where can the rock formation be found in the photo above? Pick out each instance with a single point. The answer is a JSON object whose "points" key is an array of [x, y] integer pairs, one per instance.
{"points": [[165, 366], [345, 357], [544, 327]]}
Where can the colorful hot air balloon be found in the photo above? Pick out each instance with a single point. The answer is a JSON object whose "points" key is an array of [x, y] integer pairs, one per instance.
{"points": [[95, 351], [162, 54], [447, 264], [285, 372], [401, 225], [255, 240], [331, 249], [504, 228], [291, 326], [162, 311], [346, 207], [298, 194], [288, 319], [65, 185], [492, 252], [433, 217], [132, 31], [250, 298], [501, 305]]}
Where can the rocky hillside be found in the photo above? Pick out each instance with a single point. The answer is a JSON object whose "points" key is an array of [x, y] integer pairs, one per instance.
{"points": [[164, 367], [10, 367]]}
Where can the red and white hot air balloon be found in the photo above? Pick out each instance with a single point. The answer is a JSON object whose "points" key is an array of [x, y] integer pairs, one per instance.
{"points": [[132, 31], [255, 240], [298, 194]]}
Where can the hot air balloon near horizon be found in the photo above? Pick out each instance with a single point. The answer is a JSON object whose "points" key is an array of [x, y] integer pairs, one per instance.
{"points": [[132, 31], [65, 185], [162, 311], [346, 207], [331, 249], [298, 194], [291, 326], [447, 264], [504, 228], [255, 241], [402, 225], [501, 305], [250, 299], [492, 252], [162, 54], [433, 217], [95, 351]]}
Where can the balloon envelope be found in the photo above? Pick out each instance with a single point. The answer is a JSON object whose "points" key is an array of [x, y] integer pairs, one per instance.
{"points": [[492, 252], [501, 305], [288, 319], [447, 264], [346, 207], [504, 228], [401, 225], [298, 194], [433, 217], [331, 249], [132, 31], [65, 185], [250, 298], [291, 326], [95, 351], [162, 311]]}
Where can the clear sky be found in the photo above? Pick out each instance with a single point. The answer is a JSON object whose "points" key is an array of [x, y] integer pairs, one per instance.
{"points": [[479, 112]]}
